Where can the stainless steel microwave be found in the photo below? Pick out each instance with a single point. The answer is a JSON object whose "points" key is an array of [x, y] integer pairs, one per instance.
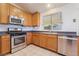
{"points": [[16, 20]]}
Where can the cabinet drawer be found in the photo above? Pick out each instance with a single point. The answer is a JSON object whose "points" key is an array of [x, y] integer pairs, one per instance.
{"points": [[5, 36], [53, 35]]}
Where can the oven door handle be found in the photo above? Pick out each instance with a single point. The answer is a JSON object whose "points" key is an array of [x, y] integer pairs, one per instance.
{"points": [[18, 36]]}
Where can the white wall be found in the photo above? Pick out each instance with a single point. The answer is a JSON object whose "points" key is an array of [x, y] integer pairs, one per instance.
{"points": [[69, 12]]}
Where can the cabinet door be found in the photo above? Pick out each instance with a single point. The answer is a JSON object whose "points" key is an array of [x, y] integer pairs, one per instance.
{"points": [[36, 39], [29, 38], [36, 19], [43, 40], [4, 13], [78, 46], [5, 44], [27, 19], [13, 10], [20, 13], [52, 42]]}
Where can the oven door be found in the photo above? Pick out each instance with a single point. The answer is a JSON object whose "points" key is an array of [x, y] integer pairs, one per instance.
{"points": [[17, 41]]}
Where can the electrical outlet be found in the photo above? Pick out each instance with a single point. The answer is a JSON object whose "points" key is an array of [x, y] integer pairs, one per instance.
{"points": [[74, 20]]}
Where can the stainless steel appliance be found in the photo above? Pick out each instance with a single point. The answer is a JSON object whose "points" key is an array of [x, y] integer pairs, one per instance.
{"points": [[18, 39], [16, 20], [67, 44]]}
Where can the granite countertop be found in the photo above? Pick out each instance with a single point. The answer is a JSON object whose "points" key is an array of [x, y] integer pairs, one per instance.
{"points": [[3, 33], [71, 33], [44, 32]]}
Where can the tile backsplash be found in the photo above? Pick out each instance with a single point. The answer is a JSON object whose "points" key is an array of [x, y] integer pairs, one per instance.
{"points": [[57, 27], [5, 27], [27, 28]]}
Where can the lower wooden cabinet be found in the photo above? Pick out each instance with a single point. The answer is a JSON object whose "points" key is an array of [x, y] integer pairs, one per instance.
{"points": [[29, 38], [4, 44], [43, 40], [78, 46], [46, 41], [36, 39], [52, 42]]}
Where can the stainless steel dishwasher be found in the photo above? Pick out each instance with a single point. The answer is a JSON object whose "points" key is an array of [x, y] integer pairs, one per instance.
{"points": [[67, 45]]}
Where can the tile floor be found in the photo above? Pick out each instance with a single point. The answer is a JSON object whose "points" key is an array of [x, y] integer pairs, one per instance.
{"points": [[33, 50]]}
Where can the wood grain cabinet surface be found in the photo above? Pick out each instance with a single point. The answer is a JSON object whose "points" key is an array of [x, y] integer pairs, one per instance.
{"points": [[46, 41], [36, 39], [36, 19], [29, 38], [14, 11], [4, 13], [4, 44], [78, 46], [27, 19], [52, 42], [7, 10], [43, 40]]}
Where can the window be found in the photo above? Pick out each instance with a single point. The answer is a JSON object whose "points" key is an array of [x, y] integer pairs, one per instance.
{"points": [[47, 22], [52, 22]]}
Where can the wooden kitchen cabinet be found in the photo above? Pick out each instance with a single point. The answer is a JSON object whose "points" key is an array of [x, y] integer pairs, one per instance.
{"points": [[48, 41], [4, 13], [20, 13], [36, 19], [52, 42], [78, 46], [14, 11], [7, 10], [28, 38], [43, 40], [36, 39], [27, 19], [4, 44]]}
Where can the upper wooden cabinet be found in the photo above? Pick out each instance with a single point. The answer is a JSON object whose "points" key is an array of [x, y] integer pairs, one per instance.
{"points": [[14, 11], [27, 19], [7, 10], [36, 19], [4, 13]]}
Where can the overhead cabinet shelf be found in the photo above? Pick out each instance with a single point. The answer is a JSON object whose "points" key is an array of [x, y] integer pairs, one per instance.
{"points": [[7, 10]]}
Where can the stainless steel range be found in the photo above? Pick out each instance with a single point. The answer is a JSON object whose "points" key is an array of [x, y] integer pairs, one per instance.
{"points": [[18, 39]]}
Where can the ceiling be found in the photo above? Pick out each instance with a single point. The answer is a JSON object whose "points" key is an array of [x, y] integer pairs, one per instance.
{"points": [[38, 7]]}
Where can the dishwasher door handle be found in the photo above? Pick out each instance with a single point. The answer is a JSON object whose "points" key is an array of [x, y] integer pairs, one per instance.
{"points": [[61, 37]]}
